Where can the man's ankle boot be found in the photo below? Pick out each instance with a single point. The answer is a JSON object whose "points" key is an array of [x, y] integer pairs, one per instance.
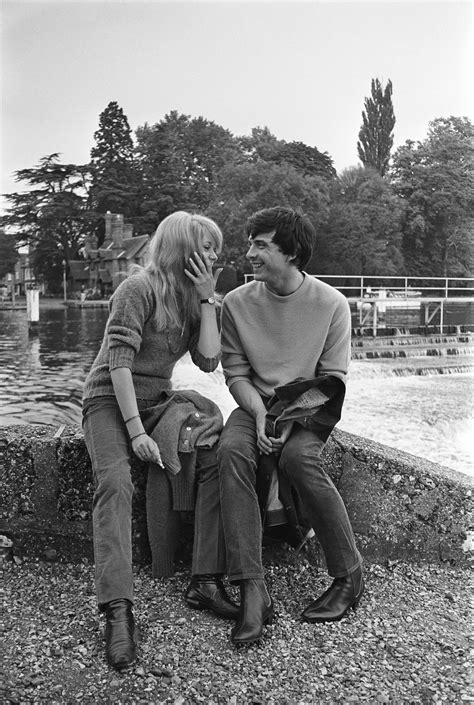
{"points": [[120, 634], [206, 592], [333, 604], [256, 610]]}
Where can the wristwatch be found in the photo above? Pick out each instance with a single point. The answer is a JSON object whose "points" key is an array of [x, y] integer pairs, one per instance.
{"points": [[210, 300]]}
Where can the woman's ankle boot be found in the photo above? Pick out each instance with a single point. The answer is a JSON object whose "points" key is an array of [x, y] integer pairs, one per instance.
{"points": [[256, 610], [120, 634]]}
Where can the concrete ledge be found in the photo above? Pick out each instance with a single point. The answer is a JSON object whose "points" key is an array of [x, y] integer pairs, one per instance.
{"points": [[401, 506]]}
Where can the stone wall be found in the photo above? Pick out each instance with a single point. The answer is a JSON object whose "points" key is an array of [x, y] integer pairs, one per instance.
{"points": [[401, 506]]}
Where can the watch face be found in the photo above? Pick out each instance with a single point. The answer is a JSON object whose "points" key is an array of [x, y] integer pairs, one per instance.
{"points": [[211, 300]]}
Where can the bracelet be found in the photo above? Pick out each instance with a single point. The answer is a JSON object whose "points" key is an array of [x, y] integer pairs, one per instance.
{"points": [[143, 433], [137, 416]]}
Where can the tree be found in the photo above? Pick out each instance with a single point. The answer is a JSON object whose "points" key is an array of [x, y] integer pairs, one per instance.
{"points": [[115, 176], [435, 180], [363, 231], [51, 217], [245, 188], [8, 253], [376, 134], [262, 145], [309, 161], [180, 158]]}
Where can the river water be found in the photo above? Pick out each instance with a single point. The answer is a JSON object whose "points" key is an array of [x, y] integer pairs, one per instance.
{"points": [[421, 405]]}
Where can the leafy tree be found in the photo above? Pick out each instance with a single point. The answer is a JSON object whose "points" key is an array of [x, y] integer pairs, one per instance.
{"points": [[116, 185], [435, 180], [363, 231], [376, 134], [180, 158], [245, 188], [263, 145], [260, 145], [8, 253], [51, 216], [309, 161]]}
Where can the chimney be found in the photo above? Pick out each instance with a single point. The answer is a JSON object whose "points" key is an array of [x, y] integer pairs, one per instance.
{"points": [[117, 230], [108, 227]]}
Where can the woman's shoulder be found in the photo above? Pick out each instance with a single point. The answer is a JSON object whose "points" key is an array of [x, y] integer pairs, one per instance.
{"points": [[138, 282]]}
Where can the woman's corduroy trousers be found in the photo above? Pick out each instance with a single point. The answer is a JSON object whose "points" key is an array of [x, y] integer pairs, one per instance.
{"points": [[109, 450]]}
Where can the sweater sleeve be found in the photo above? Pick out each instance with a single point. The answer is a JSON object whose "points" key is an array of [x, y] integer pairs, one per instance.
{"points": [[234, 361], [336, 353], [206, 364], [130, 308]]}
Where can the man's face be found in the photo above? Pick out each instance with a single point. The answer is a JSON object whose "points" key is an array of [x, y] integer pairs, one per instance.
{"points": [[269, 264]]}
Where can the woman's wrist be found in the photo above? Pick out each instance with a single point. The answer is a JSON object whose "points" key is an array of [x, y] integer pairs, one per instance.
{"points": [[134, 426]]}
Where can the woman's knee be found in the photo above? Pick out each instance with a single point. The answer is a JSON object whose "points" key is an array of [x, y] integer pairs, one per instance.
{"points": [[113, 481]]}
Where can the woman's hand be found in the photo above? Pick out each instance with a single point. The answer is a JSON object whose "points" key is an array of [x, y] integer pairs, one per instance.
{"points": [[147, 450], [201, 274]]}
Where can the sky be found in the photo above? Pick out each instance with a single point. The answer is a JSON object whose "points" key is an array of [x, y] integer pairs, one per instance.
{"points": [[302, 69]]}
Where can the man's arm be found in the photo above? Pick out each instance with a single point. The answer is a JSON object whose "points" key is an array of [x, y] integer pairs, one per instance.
{"points": [[237, 373], [250, 400], [336, 354]]}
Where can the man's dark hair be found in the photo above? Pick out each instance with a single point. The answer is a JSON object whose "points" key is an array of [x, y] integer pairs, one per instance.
{"points": [[294, 234]]}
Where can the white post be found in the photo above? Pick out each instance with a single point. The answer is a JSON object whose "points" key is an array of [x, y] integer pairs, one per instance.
{"points": [[32, 305], [64, 282], [374, 331]]}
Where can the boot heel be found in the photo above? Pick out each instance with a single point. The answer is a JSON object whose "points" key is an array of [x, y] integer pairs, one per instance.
{"points": [[356, 603], [195, 604], [270, 619]]}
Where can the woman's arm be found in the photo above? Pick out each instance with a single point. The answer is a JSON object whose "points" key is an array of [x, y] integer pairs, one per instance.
{"points": [[143, 445], [204, 280]]}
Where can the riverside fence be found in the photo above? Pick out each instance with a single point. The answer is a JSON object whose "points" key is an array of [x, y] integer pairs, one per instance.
{"points": [[390, 305]]}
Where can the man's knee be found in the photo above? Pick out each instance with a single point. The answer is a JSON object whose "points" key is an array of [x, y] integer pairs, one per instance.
{"points": [[299, 453], [232, 448]]}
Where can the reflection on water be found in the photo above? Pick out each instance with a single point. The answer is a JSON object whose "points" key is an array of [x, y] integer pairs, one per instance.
{"points": [[412, 404], [41, 375]]}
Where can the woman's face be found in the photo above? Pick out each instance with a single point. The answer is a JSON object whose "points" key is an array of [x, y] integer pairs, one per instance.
{"points": [[209, 250]]}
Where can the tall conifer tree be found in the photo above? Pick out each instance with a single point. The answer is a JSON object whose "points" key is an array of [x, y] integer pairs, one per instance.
{"points": [[115, 176], [376, 134]]}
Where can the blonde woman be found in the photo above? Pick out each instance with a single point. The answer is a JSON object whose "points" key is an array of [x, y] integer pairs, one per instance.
{"points": [[157, 314]]}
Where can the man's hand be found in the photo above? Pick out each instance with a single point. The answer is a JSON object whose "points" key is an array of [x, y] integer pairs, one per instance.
{"points": [[263, 442], [278, 443], [147, 450]]}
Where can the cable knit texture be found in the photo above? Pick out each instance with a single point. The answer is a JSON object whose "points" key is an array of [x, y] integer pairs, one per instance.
{"points": [[133, 340]]}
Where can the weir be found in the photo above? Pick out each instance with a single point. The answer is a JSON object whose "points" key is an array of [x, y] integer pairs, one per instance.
{"points": [[401, 506]]}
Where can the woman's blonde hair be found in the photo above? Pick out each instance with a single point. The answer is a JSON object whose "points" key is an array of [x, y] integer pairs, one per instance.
{"points": [[176, 239]]}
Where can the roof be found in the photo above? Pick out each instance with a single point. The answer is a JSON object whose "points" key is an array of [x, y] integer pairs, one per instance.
{"points": [[129, 248], [79, 269]]}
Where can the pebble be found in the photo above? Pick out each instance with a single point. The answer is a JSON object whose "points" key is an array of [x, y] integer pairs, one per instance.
{"points": [[399, 647]]}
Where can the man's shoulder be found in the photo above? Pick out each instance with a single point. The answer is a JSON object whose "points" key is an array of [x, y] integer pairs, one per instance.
{"points": [[328, 292], [241, 293]]}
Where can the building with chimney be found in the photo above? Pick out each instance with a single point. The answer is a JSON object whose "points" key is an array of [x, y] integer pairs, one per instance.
{"points": [[104, 267]]}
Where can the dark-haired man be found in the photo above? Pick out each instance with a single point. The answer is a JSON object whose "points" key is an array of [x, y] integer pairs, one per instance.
{"points": [[282, 332]]}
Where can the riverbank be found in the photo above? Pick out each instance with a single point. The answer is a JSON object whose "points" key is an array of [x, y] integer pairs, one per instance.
{"points": [[408, 642]]}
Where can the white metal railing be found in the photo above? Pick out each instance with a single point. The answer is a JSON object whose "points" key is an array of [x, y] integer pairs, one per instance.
{"points": [[400, 287]]}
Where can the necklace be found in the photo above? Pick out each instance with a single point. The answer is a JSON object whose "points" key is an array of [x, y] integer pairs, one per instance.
{"points": [[290, 292]]}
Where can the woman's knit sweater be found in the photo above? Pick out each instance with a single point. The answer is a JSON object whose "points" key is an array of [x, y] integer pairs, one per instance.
{"points": [[132, 340]]}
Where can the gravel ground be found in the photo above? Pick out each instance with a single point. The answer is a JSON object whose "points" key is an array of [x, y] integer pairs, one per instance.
{"points": [[408, 642]]}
